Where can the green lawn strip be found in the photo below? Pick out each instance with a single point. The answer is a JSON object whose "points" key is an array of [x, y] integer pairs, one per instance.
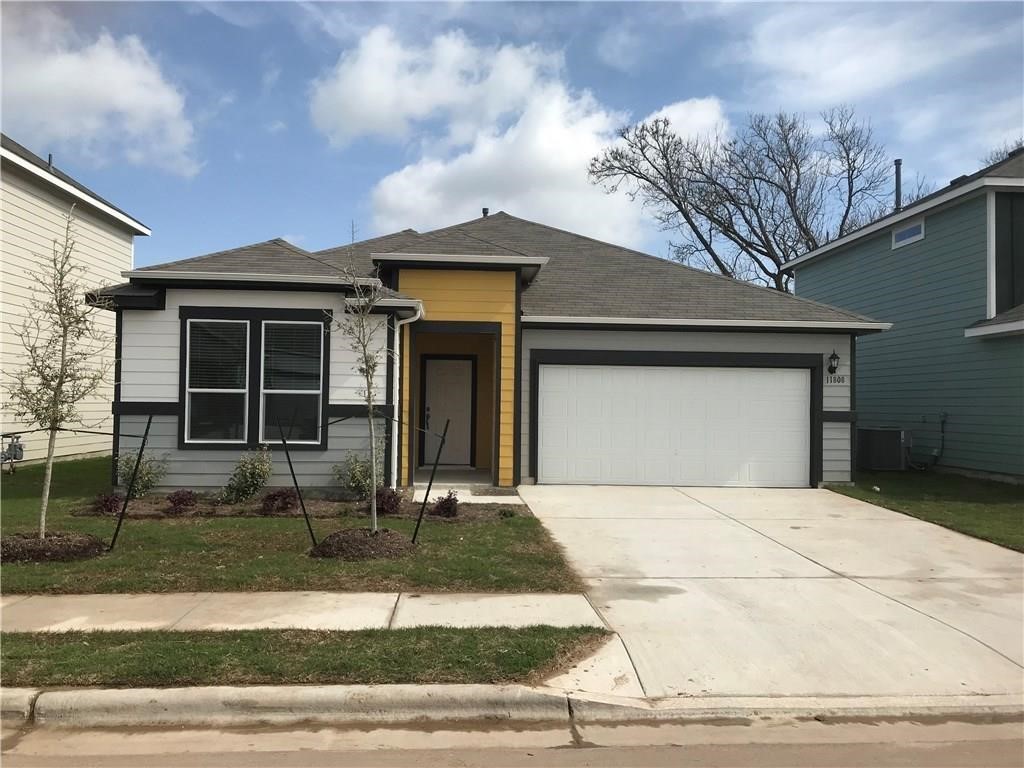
{"points": [[278, 657], [981, 508], [266, 554]]}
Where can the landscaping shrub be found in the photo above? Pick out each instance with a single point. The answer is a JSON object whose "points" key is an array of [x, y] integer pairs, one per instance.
{"points": [[446, 506], [107, 503], [250, 475], [151, 472], [181, 501], [389, 501], [280, 501], [506, 513], [354, 473]]}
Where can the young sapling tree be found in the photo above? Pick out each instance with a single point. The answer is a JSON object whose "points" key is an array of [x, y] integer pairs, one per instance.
{"points": [[64, 351]]}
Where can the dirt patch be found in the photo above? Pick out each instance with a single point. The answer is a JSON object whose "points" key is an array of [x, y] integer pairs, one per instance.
{"points": [[58, 546], [363, 544], [155, 506]]}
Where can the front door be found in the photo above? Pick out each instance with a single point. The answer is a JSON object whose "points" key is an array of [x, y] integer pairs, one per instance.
{"points": [[448, 388]]}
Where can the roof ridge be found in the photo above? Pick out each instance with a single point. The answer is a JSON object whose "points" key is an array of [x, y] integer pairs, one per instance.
{"points": [[732, 280], [407, 230]]}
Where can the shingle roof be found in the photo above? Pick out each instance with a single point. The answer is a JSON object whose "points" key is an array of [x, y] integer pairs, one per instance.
{"points": [[1013, 315], [31, 157], [583, 277]]}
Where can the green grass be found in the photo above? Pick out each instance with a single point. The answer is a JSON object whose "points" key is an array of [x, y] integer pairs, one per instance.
{"points": [[228, 554], [981, 508], [420, 655]]}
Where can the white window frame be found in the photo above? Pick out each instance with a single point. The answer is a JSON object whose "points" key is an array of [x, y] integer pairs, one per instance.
{"points": [[309, 392], [908, 225], [189, 390]]}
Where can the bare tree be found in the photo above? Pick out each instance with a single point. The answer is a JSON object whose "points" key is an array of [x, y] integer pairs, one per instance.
{"points": [[998, 154], [361, 325], [745, 205], [64, 350]]}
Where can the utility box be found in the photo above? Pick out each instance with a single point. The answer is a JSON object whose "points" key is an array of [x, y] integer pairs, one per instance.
{"points": [[883, 448]]}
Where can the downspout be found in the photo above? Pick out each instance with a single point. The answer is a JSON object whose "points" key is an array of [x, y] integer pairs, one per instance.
{"points": [[396, 385]]}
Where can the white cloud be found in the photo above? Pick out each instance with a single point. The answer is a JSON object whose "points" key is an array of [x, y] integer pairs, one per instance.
{"points": [[810, 55], [535, 169], [278, 126], [105, 98], [695, 117], [382, 87]]}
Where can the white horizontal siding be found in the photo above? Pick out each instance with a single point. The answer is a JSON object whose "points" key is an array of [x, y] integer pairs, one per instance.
{"points": [[207, 468], [31, 219], [151, 338], [835, 454]]}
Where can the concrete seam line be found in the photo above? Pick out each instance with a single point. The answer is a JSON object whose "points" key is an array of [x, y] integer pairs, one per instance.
{"points": [[201, 601], [394, 612]]}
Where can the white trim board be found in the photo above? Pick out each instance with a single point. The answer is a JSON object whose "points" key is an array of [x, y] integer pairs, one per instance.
{"points": [[996, 329], [642, 321], [136, 227]]}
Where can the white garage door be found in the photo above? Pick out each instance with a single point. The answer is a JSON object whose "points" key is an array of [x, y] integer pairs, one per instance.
{"points": [[634, 425]]}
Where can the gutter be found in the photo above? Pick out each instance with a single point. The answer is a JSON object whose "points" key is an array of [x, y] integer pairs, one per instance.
{"points": [[395, 384], [846, 325]]}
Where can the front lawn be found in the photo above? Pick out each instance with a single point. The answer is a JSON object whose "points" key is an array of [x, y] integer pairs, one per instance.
{"points": [[279, 657], [267, 554], [981, 508]]}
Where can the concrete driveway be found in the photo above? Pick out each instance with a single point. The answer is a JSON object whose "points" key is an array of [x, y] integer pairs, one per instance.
{"points": [[741, 592]]}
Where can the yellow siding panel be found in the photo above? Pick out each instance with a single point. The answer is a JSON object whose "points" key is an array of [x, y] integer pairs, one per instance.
{"points": [[470, 296]]}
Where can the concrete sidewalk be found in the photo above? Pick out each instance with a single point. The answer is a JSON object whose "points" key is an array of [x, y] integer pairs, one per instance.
{"points": [[289, 610]]}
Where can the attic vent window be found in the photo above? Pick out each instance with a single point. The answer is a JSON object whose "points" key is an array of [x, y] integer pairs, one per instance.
{"points": [[908, 234]]}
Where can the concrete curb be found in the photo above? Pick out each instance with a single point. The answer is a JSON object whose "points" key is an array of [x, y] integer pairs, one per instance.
{"points": [[16, 705], [610, 709], [224, 706], [284, 705]]}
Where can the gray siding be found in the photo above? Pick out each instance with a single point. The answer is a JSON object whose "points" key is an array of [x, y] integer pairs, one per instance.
{"points": [[205, 469], [836, 449], [931, 291]]}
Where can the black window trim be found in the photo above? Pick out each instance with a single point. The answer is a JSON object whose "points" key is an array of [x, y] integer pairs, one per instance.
{"points": [[256, 316]]}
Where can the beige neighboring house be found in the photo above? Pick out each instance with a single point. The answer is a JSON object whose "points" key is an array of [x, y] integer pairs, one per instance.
{"points": [[35, 197]]}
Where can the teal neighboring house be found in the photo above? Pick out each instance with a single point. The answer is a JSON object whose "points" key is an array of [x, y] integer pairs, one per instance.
{"points": [[948, 272]]}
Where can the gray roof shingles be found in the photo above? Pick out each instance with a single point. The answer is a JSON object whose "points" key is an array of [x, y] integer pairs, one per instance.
{"points": [[583, 277]]}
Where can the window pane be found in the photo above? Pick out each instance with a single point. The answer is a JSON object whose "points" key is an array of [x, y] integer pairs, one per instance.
{"points": [[908, 233], [298, 415], [216, 355], [291, 356], [216, 416]]}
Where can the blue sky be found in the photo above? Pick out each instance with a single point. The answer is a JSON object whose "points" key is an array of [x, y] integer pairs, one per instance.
{"points": [[223, 124]]}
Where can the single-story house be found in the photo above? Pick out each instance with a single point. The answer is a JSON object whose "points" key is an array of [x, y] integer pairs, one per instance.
{"points": [[948, 272], [554, 357]]}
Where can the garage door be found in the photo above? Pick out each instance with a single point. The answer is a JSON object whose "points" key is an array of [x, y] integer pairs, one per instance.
{"points": [[636, 425]]}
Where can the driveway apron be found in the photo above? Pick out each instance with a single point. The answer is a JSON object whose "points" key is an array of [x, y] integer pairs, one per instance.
{"points": [[778, 592]]}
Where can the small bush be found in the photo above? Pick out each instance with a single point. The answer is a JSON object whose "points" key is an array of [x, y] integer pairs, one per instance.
{"points": [[354, 473], [506, 513], [280, 501], [151, 472], [181, 501], [446, 506], [389, 501], [107, 503], [251, 474]]}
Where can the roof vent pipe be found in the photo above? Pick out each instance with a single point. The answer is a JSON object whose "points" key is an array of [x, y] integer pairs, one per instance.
{"points": [[49, 161], [899, 184], [486, 211]]}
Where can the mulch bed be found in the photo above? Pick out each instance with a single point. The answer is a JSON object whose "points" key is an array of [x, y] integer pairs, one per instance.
{"points": [[154, 506], [58, 546], [363, 544]]}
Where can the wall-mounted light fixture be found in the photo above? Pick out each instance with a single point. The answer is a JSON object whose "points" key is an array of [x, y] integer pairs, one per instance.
{"points": [[833, 362]]}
